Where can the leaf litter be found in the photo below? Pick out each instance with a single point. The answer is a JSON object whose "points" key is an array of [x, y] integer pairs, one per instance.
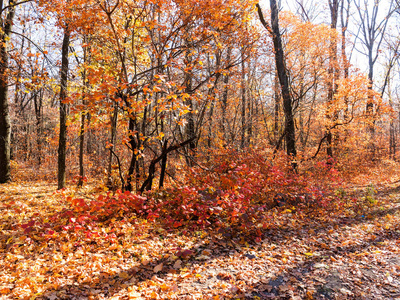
{"points": [[331, 256]]}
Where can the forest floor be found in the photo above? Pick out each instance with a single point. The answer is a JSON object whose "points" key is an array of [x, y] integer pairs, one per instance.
{"points": [[351, 254]]}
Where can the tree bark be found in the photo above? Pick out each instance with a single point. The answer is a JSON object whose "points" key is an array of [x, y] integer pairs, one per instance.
{"points": [[62, 143], [344, 24], [82, 131], [114, 120], [5, 123], [81, 148], [276, 108], [38, 103], [163, 166], [134, 148], [190, 126], [224, 123], [290, 134], [243, 92], [332, 71]]}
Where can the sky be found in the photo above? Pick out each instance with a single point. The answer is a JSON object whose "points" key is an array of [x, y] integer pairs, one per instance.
{"points": [[318, 12]]}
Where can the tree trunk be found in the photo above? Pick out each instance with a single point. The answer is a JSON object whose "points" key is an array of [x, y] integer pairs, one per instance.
{"points": [[276, 109], [190, 126], [114, 119], [344, 24], [290, 134], [243, 92], [250, 105], [224, 123], [81, 148], [163, 165], [82, 131], [373, 32], [332, 71], [62, 143], [38, 103], [212, 92], [5, 124], [134, 149], [392, 136]]}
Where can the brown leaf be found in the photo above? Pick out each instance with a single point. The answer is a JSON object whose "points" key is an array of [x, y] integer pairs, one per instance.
{"points": [[177, 264], [158, 268]]}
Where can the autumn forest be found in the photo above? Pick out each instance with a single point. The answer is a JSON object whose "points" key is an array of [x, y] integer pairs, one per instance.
{"points": [[213, 149]]}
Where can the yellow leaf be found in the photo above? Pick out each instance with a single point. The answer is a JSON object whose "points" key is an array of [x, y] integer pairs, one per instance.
{"points": [[164, 287], [308, 254], [123, 275], [270, 258]]}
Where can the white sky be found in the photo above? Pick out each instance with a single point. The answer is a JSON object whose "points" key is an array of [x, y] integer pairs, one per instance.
{"points": [[318, 12]]}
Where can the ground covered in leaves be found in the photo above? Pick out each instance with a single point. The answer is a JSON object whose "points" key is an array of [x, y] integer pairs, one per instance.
{"points": [[350, 253]]}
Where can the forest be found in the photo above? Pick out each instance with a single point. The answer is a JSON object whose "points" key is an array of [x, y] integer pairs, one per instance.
{"points": [[212, 149]]}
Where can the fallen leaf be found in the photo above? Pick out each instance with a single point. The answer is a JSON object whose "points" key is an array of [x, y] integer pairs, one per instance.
{"points": [[134, 295], [202, 257], [158, 268], [177, 264], [206, 252], [123, 275]]}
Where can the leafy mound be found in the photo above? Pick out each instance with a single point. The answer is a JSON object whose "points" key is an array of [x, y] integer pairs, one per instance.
{"points": [[238, 194]]}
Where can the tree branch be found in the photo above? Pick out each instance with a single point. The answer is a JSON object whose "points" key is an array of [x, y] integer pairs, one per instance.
{"points": [[14, 5], [263, 22]]}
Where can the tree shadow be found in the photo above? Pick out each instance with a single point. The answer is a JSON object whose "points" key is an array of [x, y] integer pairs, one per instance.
{"points": [[111, 284], [333, 285], [156, 277], [389, 190]]}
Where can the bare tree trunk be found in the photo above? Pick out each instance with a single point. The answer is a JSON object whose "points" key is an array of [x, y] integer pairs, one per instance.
{"points": [[190, 127], [332, 71], [38, 103], [392, 136], [82, 131], [132, 141], [81, 148], [243, 92], [344, 24], [290, 134], [250, 105], [114, 119], [276, 108], [224, 124], [62, 143], [163, 165], [5, 124]]}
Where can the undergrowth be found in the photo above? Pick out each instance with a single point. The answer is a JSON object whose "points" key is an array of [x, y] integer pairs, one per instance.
{"points": [[234, 195]]}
